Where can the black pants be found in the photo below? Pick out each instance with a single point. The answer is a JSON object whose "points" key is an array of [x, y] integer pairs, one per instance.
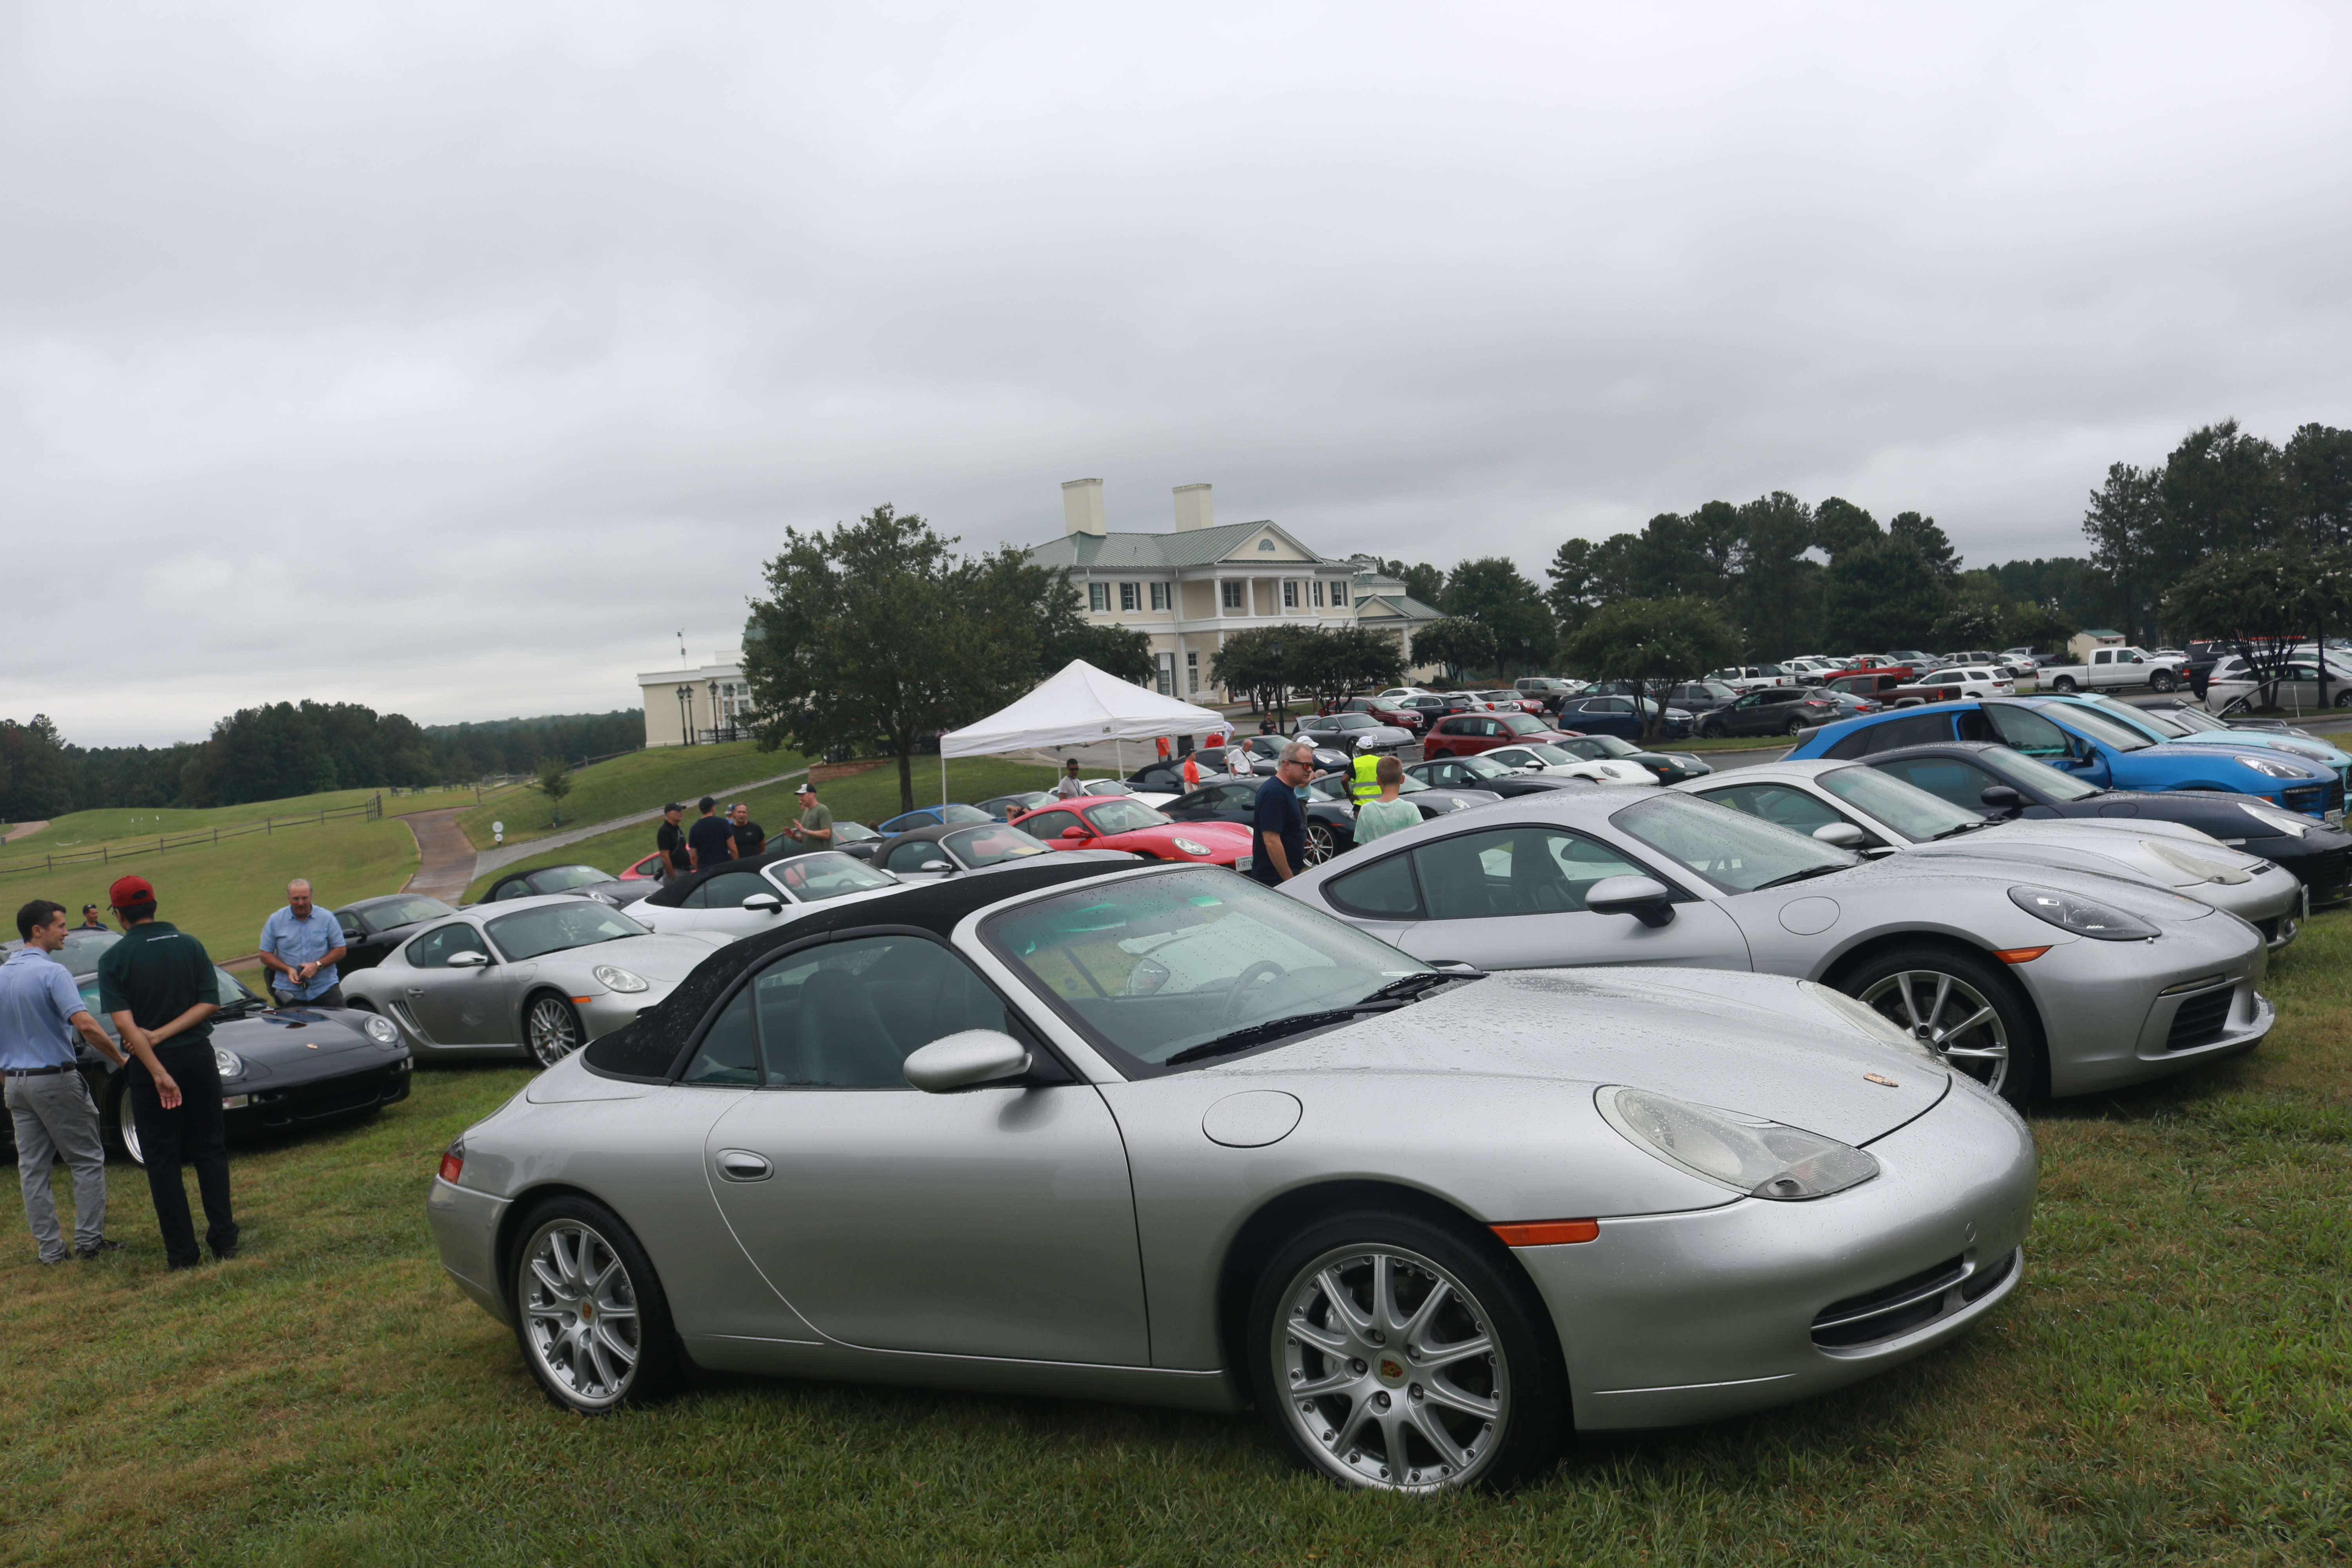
{"points": [[193, 1133]]}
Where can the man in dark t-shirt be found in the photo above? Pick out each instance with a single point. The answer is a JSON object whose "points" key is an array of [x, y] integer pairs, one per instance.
{"points": [[712, 839], [670, 840], [749, 836], [1278, 848]]}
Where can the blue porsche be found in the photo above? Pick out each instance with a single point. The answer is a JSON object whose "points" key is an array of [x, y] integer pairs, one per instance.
{"points": [[2195, 727], [2100, 750]]}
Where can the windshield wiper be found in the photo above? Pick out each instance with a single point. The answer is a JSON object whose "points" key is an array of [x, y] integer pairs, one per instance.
{"points": [[1965, 828], [1398, 993], [1799, 877]]}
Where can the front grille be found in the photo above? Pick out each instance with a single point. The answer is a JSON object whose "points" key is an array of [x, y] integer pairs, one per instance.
{"points": [[1890, 1310], [336, 1097], [1973, 1289], [2201, 1021], [2307, 798], [2270, 929], [2325, 873]]}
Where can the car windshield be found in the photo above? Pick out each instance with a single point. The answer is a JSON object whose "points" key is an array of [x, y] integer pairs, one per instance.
{"points": [[1524, 724], [1123, 817], [813, 878], [556, 927], [952, 816], [563, 879], [405, 911], [2130, 717], [1547, 753], [1347, 722], [2189, 719], [2097, 726], [1593, 748], [1904, 807], [1152, 966], [1736, 853], [858, 832], [2033, 775], [1480, 767], [987, 846]]}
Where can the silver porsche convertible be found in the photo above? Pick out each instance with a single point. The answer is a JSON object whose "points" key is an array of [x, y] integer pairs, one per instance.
{"points": [[1162, 1134], [2032, 979], [540, 977]]}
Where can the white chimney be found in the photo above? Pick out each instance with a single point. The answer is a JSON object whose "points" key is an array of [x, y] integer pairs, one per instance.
{"points": [[1192, 510], [1082, 506]]}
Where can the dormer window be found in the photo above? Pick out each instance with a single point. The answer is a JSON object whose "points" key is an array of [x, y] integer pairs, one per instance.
{"points": [[1266, 545]]}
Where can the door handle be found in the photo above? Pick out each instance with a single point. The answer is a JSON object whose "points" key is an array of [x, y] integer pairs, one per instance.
{"points": [[416, 991], [742, 1166]]}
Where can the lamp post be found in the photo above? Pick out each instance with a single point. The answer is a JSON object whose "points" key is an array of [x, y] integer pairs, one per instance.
{"points": [[714, 710], [1281, 692], [686, 714]]}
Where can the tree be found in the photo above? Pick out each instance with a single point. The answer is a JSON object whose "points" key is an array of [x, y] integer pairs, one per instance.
{"points": [[881, 630], [2037, 627], [1334, 664], [1491, 592], [1576, 588], [554, 782], [1063, 632], [1776, 591], [1456, 642], [2319, 469], [1839, 526], [1247, 662], [2122, 521], [34, 783], [1653, 642], [1423, 582], [1882, 595], [2268, 599]]}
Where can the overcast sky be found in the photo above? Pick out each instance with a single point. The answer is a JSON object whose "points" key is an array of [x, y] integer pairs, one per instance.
{"points": [[450, 358]]}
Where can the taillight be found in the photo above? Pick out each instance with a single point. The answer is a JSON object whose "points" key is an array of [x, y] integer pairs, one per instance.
{"points": [[453, 1162]]}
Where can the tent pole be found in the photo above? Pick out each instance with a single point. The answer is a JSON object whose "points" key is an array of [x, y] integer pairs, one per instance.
{"points": [[943, 776]]}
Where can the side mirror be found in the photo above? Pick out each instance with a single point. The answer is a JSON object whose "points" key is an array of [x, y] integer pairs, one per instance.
{"points": [[1844, 835], [2002, 796], [1074, 833], [935, 866], [1644, 898], [960, 1061], [470, 959], [766, 903]]}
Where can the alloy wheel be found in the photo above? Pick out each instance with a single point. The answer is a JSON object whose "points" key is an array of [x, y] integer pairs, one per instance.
{"points": [[1391, 1370], [1320, 845], [553, 1030], [1948, 1016], [580, 1315], [126, 1120]]}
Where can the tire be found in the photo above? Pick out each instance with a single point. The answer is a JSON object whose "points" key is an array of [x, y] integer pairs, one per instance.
{"points": [[1940, 981], [2063, 683], [1712, 732], [589, 1311], [1794, 727], [550, 1029], [2343, 698], [126, 1128], [1406, 1421], [2163, 680]]}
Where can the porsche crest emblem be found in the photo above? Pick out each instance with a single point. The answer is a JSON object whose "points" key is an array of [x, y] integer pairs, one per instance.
{"points": [[1875, 1078]]}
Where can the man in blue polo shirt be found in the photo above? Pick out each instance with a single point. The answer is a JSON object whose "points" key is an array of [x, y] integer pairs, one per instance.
{"points": [[1278, 850], [41, 1010], [300, 944]]}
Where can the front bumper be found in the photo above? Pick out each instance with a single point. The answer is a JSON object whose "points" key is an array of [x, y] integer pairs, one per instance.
{"points": [[323, 1099], [2108, 1021], [1670, 1319]]}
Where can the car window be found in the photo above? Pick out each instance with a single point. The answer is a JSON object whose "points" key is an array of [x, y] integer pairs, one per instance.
{"points": [[434, 948], [913, 855], [1123, 817], [1513, 757], [991, 845], [512, 888], [727, 890], [813, 878], [1383, 891], [2104, 729], [1906, 808], [847, 1015], [2026, 730], [1523, 870], [728, 1052], [559, 928], [1150, 966], [2036, 777], [1951, 779], [1737, 854], [1228, 796], [1050, 823], [1912, 730], [1788, 807]]}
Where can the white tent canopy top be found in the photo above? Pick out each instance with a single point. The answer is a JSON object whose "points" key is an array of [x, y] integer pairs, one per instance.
{"points": [[1080, 707]]}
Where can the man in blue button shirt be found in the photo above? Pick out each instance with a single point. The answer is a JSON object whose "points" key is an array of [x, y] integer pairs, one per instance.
{"points": [[41, 1010], [1278, 850], [302, 944]]}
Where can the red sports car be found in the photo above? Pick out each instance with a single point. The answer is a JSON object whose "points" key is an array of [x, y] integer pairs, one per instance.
{"points": [[1468, 734], [1387, 712], [1115, 822]]}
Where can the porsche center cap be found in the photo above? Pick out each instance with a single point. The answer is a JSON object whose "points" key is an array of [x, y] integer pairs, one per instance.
{"points": [[1392, 1370]]}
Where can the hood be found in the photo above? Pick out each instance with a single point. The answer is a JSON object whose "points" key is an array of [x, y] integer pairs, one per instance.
{"points": [[1756, 1045], [2152, 904], [275, 1036], [1211, 830], [2179, 751], [662, 958]]}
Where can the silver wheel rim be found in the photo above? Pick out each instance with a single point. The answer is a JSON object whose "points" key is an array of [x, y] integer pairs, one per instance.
{"points": [[1318, 845], [130, 1133], [553, 1034], [1949, 1016], [1389, 1371], [580, 1315]]}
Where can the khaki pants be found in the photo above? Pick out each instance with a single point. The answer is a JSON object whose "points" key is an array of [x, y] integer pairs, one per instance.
{"points": [[53, 1115]]}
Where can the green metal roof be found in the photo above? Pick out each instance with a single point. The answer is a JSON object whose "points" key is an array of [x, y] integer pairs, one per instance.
{"points": [[1148, 551]]}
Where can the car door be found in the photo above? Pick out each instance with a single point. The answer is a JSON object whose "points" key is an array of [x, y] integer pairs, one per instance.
{"points": [[1513, 897], [1047, 827], [458, 1006], [995, 1221], [1741, 717], [907, 859], [717, 905], [1951, 778]]}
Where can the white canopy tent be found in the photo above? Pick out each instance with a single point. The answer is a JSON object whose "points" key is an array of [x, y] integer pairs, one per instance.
{"points": [[1081, 706]]}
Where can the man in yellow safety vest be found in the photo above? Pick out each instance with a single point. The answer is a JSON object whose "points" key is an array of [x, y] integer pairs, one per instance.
{"points": [[1362, 784]]}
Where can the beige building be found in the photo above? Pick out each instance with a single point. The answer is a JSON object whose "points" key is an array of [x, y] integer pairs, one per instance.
{"points": [[1191, 587], [686, 707]]}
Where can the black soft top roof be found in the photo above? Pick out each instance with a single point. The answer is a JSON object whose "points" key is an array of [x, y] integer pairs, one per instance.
{"points": [[647, 1048], [672, 893]]}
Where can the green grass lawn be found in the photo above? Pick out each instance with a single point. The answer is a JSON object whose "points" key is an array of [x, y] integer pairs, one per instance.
{"points": [[2168, 1386], [88, 829], [862, 797], [638, 781]]}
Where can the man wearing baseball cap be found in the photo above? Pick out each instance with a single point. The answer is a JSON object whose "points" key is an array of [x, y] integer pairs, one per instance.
{"points": [[158, 987], [814, 829]]}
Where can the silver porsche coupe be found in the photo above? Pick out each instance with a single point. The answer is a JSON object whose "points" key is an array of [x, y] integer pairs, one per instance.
{"points": [[1162, 1135], [2032, 979]]}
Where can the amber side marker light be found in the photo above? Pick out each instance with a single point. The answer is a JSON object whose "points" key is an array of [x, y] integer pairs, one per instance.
{"points": [[2019, 955], [453, 1165], [1548, 1232]]}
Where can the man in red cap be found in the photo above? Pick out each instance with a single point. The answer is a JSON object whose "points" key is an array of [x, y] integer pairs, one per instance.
{"points": [[157, 984]]}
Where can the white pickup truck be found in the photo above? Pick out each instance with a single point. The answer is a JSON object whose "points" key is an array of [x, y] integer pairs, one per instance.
{"points": [[2115, 667]]}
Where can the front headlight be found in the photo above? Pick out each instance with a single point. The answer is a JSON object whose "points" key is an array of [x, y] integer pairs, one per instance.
{"points": [[1762, 1159], [613, 977], [2081, 916], [1190, 847], [2196, 866], [381, 1030], [230, 1064], [2276, 818], [1871, 1022], [2269, 769]]}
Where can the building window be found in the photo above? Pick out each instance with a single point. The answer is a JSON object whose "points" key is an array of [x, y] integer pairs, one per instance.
{"points": [[1339, 594], [1289, 593], [1160, 595], [1128, 596], [1232, 595], [1099, 596], [1167, 672], [1266, 545], [1319, 593], [1191, 674]]}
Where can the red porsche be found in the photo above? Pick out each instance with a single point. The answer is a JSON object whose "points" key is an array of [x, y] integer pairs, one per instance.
{"points": [[1115, 822]]}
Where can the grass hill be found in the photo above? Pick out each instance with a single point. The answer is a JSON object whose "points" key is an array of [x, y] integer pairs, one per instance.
{"points": [[638, 781]]}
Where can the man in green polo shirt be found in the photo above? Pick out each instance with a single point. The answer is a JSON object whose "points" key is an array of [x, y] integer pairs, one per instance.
{"points": [[158, 987]]}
